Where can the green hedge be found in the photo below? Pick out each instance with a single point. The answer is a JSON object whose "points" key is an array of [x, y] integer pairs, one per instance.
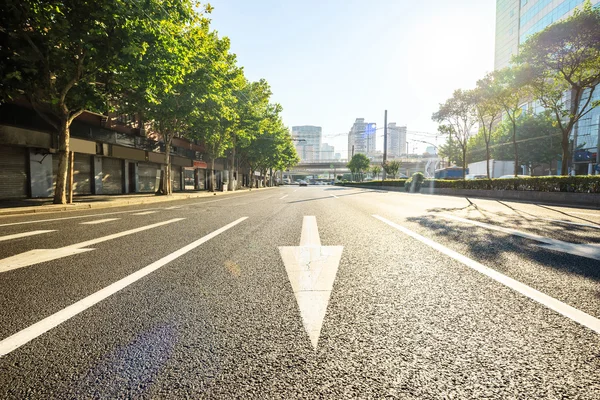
{"points": [[572, 184]]}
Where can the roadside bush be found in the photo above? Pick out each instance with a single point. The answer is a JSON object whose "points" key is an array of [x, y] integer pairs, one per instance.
{"points": [[573, 184], [414, 183]]}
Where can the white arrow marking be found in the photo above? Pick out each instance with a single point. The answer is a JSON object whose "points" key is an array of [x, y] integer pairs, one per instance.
{"points": [[582, 250], [37, 256], [311, 269]]}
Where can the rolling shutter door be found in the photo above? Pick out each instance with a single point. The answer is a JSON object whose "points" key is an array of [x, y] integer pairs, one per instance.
{"points": [[112, 176], [147, 174], [176, 178], [82, 174], [13, 172]]}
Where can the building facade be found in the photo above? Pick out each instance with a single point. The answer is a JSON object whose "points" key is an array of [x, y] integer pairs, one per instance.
{"points": [[110, 157], [308, 141], [362, 138], [516, 20], [396, 143]]}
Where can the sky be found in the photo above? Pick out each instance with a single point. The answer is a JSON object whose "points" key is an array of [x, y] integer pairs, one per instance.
{"points": [[331, 61]]}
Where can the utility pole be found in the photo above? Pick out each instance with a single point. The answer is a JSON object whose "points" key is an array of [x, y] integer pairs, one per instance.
{"points": [[385, 126]]}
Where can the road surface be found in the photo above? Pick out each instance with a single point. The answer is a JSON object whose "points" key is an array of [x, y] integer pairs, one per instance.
{"points": [[302, 292]]}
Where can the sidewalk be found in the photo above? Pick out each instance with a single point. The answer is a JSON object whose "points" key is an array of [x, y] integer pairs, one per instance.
{"points": [[35, 206]]}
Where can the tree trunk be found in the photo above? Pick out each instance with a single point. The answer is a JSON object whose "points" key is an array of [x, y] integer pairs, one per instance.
{"points": [[464, 151], [167, 187], [514, 127], [231, 185], [564, 164], [487, 157], [212, 176], [64, 134]]}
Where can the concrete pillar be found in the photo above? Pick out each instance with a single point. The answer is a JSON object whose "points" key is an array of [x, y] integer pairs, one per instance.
{"points": [[97, 173]]}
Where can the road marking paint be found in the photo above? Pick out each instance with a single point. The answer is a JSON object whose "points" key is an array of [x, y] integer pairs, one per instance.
{"points": [[24, 336], [311, 269], [99, 221], [334, 196], [582, 250], [147, 212], [66, 218], [172, 208], [284, 197], [550, 302], [37, 256], [22, 235]]}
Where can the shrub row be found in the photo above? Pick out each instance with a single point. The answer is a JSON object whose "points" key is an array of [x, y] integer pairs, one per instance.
{"points": [[572, 184]]}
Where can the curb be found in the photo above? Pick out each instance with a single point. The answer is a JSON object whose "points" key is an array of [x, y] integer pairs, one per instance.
{"points": [[15, 211]]}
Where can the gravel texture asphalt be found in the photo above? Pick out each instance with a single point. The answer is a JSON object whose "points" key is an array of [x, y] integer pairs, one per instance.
{"points": [[221, 321]]}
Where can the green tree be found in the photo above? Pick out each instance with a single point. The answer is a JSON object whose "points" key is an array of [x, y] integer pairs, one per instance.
{"points": [[510, 94], [539, 140], [450, 150], [359, 164], [488, 111], [392, 167], [64, 56], [459, 116], [564, 58], [376, 170]]}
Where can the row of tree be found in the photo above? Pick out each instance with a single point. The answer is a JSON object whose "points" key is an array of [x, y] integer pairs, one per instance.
{"points": [[360, 164], [557, 68], [158, 59]]}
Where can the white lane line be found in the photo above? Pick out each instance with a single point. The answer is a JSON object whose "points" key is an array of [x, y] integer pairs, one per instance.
{"points": [[582, 250], [550, 302], [37, 256], [172, 208], [334, 196], [99, 221], [39, 328], [22, 235], [147, 212], [284, 197], [39, 221]]}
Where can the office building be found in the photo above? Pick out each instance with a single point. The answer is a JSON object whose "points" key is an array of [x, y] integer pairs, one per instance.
{"points": [[362, 138], [396, 143], [516, 20], [327, 152], [308, 140]]}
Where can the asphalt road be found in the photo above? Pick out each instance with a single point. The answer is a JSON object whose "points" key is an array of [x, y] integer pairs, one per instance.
{"points": [[433, 297]]}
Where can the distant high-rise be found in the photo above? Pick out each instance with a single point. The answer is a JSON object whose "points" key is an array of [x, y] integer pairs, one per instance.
{"points": [[516, 20], [396, 143], [362, 138], [308, 142], [327, 152]]}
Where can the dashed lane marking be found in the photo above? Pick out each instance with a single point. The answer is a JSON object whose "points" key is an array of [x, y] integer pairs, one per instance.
{"points": [[545, 300], [147, 212], [37, 256], [40, 221], [284, 197], [22, 235], [26, 335], [100, 221]]}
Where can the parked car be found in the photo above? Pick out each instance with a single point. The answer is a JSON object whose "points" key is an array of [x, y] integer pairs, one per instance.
{"points": [[303, 183]]}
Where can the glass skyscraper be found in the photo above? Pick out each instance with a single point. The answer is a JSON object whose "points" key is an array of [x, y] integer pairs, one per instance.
{"points": [[516, 20]]}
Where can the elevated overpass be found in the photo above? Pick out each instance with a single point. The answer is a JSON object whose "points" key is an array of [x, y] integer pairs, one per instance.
{"points": [[408, 166]]}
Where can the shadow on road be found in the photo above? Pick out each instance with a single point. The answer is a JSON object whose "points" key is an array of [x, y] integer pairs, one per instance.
{"points": [[493, 246]]}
